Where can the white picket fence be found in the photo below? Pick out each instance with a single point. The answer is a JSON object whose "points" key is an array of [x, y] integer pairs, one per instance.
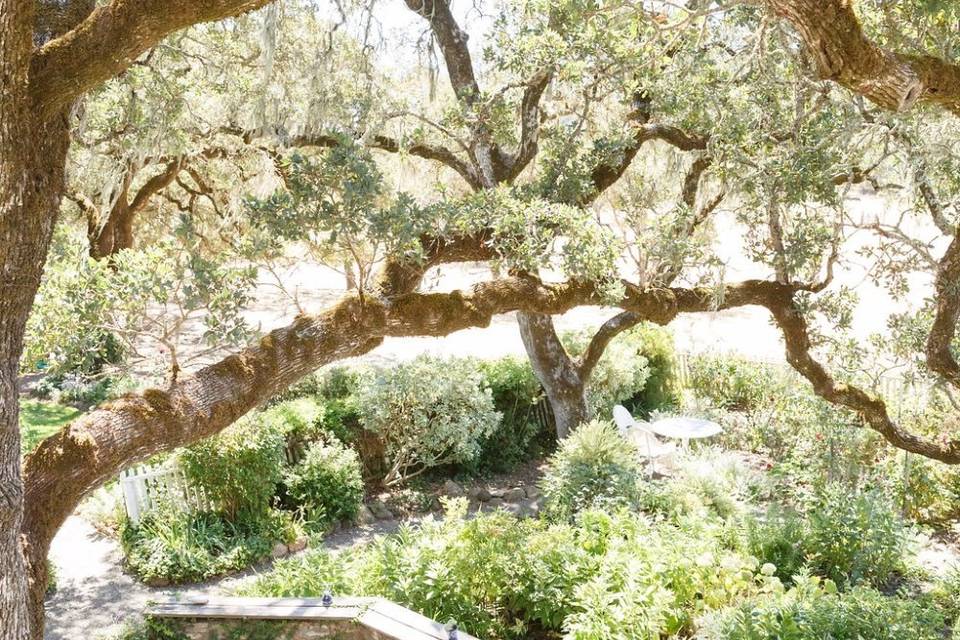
{"points": [[145, 487]]}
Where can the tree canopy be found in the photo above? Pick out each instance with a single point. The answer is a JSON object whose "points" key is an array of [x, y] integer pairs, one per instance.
{"points": [[587, 152]]}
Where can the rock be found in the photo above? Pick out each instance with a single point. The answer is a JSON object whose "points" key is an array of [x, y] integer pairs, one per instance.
{"points": [[530, 509], [480, 494], [532, 491], [495, 503], [279, 550], [157, 582], [514, 495], [365, 516], [380, 510], [496, 493], [297, 545], [514, 508], [453, 489]]}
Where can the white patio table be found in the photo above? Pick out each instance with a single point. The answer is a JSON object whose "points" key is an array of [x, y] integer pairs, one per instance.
{"points": [[685, 429]]}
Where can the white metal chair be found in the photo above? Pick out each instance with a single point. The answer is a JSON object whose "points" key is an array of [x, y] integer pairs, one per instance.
{"points": [[640, 435]]}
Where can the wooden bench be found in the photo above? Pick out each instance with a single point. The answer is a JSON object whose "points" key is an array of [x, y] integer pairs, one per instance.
{"points": [[347, 618]]}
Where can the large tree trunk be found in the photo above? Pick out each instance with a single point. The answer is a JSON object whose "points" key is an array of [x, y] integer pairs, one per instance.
{"points": [[15, 285], [558, 374], [27, 217], [32, 157], [32, 160]]}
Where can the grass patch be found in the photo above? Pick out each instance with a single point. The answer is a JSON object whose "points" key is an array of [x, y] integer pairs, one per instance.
{"points": [[39, 420]]}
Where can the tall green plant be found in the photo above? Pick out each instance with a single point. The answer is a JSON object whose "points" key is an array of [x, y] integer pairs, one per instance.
{"points": [[239, 469]]}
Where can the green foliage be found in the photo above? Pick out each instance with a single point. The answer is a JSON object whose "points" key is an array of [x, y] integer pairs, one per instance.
{"points": [[299, 420], [945, 592], [239, 469], [51, 578], [173, 545], [704, 488], [605, 576], [927, 491], [91, 314], [850, 537], [326, 483], [662, 389], [428, 412], [66, 333], [854, 539], [81, 390], [593, 468], [519, 436], [815, 611], [777, 537], [734, 383]]}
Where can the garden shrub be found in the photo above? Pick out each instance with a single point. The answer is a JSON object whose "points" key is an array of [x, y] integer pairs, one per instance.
{"points": [[306, 387], [712, 485], [80, 390], [239, 469], [339, 382], [593, 468], [927, 491], [326, 484], [455, 568], [428, 412], [519, 436], [816, 611], [854, 537], [175, 545], [777, 537], [341, 419], [618, 602], [299, 420], [662, 388], [334, 392], [605, 576], [735, 383], [945, 593]]}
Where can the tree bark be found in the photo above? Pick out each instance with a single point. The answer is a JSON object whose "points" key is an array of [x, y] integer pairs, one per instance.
{"points": [[843, 53], [557, 373], [32, 158], [38, 88]]}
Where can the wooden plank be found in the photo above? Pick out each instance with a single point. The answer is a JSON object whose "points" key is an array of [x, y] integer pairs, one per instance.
{"points": [[397, 614], [386, 618], [264, 608], [391, 628]]}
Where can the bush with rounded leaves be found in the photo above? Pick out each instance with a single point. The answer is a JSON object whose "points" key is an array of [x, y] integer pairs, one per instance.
{"points": [[428, 412]]}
